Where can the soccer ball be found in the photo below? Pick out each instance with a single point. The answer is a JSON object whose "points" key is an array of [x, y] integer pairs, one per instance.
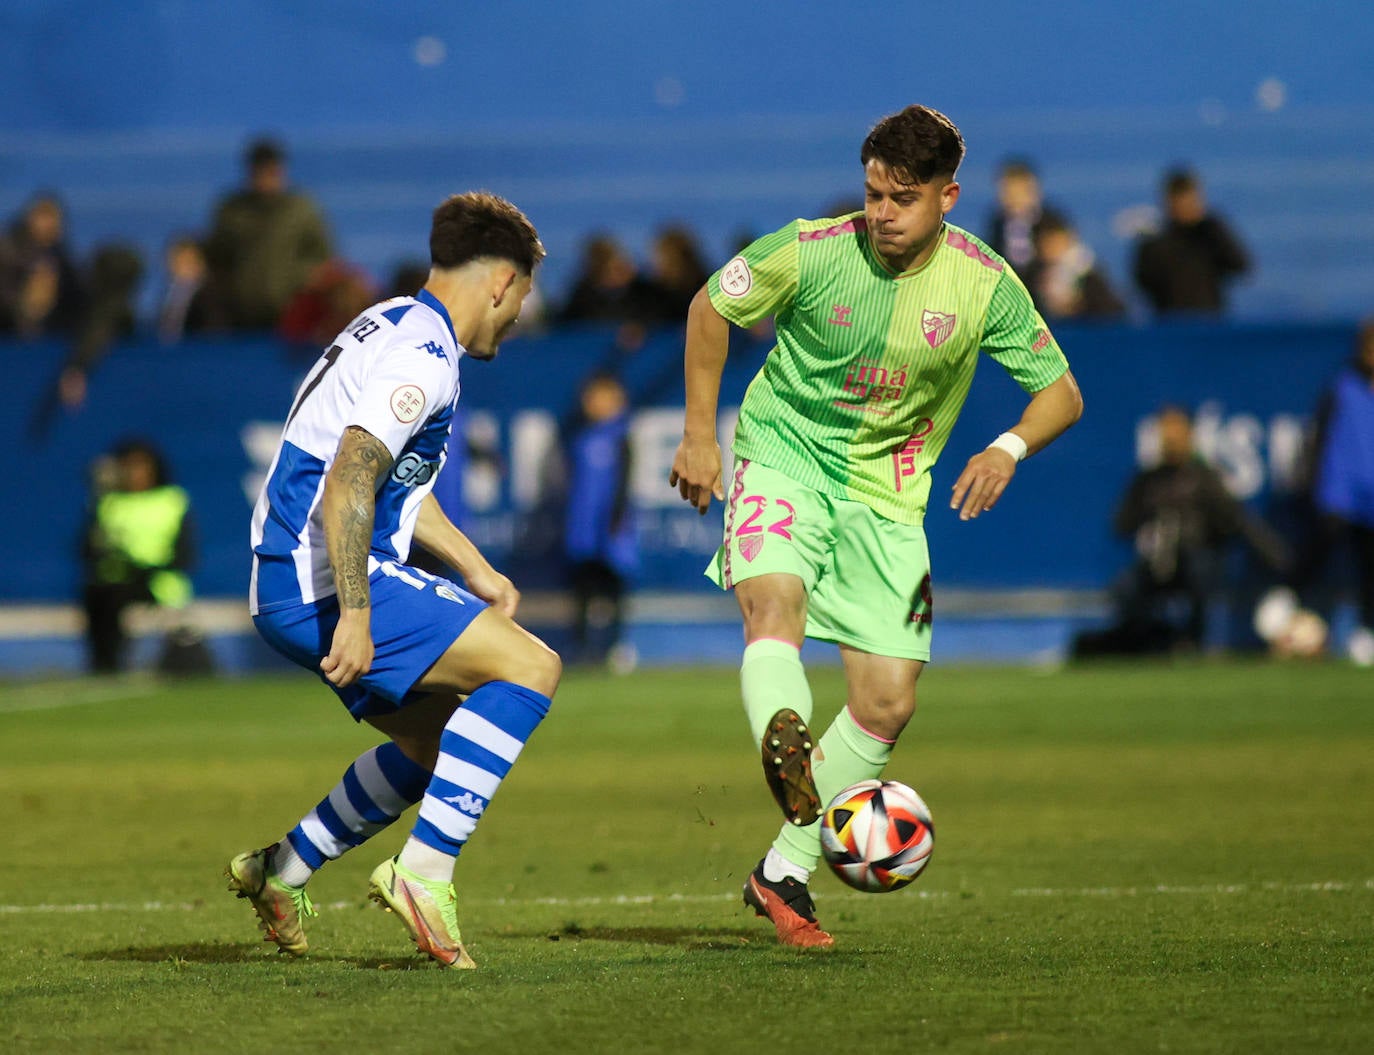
{"points": [[877, 835], [1303, 638]]}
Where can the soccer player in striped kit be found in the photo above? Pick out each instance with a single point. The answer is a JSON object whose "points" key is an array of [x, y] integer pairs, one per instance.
{"points": [[347, 494], [880, 317]]}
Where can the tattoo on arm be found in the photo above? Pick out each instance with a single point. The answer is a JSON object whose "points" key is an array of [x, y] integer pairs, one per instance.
{"points": [[362, 460]]}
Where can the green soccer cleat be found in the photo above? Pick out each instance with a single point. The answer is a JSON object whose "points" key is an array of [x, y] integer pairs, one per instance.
{"points": [[280, 907], [428, 909]]}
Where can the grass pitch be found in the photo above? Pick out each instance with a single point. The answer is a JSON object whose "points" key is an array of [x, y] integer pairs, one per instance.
{"points": [[1128, 859]]}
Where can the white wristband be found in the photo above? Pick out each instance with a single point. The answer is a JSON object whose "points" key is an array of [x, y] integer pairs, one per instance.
{"points": [[1011, 443]]}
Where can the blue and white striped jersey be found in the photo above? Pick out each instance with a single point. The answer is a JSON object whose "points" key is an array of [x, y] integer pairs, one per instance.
{"points": [[394, 372]]}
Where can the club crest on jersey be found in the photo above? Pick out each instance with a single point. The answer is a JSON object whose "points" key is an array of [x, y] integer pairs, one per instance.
{"points": [[448, 593], [735, 278], [749, 547], [937, 326]]}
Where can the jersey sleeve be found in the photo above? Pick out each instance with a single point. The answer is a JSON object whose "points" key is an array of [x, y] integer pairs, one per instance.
{"points": [[408, 385], [1017, 337], [761, 281]]}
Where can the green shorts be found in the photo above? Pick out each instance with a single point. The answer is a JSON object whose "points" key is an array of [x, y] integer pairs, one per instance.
{"points": [[867, 578]]}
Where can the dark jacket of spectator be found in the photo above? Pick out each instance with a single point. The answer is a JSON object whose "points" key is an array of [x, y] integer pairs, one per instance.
{"points": [[1186, 266], [41, 291], [265, 242]]}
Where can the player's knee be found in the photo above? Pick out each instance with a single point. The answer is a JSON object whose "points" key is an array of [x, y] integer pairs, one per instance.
{"points": [[886, 713], [772, 614], [533, 665]]}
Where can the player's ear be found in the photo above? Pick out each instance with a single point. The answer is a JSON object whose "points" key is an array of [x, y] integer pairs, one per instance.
{"points": [[503, 277], [949, 194]]}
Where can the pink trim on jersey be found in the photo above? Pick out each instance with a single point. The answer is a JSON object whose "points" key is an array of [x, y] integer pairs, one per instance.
{"points": [[959, 242], [867, 732], [735, 491], [848, 227], [779, 640]]}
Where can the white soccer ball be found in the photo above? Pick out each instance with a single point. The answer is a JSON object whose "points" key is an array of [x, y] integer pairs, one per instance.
{"points": [[877, 835], [1303, 638], [1274, 612]]}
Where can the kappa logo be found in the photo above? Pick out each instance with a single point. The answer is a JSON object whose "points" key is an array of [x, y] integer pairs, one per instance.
{"points": [[467, 803], [449, 594], [937, 326], [435, 349]]}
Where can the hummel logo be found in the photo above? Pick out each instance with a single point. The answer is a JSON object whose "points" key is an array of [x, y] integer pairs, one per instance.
{"points": [[840, 315], [467, 803], [435, 349]]}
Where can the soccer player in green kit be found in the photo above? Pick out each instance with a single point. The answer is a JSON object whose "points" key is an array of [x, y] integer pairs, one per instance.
{"points": [[880, 317]]}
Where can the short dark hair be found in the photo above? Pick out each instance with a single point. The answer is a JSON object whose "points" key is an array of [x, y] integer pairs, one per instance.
{"points": [[916, 144], [262, 152], [1017, 166], [142, 447], [1179, 180], [477, 224]]}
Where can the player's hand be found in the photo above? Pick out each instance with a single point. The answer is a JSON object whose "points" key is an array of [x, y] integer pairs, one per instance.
{"points": [[982, 482], [494, 588], [696, 472], [350, 652]]}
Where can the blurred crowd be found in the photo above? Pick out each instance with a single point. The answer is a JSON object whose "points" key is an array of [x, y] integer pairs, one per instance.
{"points": [[267, 261]]}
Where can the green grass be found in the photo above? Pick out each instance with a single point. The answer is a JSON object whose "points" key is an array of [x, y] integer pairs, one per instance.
{"points": [[1132, 858]]}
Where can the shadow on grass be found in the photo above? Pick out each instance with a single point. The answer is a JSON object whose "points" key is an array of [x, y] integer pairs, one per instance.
{"points": [[697, 939], [243, 952]]}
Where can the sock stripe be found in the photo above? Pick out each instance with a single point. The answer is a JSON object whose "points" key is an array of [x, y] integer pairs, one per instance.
{"points": [[453, 746], [305, 849], [378, 787], [406, 778], [458, 775], [480, 743], [472, 726], [357, 802]]}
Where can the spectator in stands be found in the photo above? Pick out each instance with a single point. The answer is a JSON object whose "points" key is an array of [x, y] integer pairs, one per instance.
{"points": [[193, 302], [334, 294], [1021, 210], [1065, 278], [41, 291], [599, 530], [109, 314], [676, 272], [1342, 490], [1186, 266], [607, 287], [265, 241], [1181, 517], [136, 549]]}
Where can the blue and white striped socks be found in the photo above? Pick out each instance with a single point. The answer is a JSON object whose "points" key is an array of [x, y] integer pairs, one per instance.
{"points": [[481, 741], [378, 787]]}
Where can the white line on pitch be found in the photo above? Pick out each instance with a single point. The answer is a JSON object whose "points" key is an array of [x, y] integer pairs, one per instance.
{"points": [[1329, 886], [51, 696]]}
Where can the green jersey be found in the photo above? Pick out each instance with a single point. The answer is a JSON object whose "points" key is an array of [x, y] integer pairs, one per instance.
{"points": [[871, 368]]}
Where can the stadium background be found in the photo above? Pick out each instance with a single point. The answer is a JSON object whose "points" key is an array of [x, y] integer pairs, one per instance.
{"points": [[728, 118]]}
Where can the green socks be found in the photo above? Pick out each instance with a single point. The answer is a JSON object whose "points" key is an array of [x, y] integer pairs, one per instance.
{"points": [[846, 754], [771, 678]]}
